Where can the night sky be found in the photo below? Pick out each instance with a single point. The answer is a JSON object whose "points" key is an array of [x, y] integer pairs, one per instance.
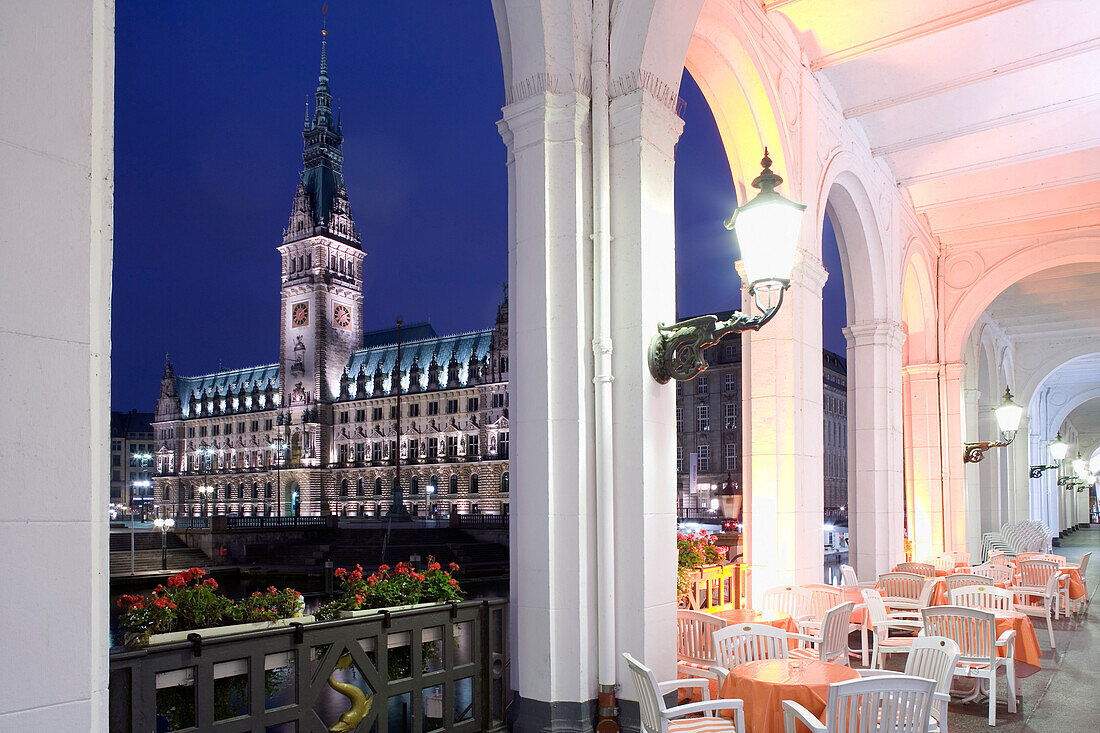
{"points": [[209, 104]]}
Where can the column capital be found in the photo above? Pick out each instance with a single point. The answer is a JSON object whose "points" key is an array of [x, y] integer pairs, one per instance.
{"points": [[924, 370], [809, 272], [879, 331], [549, 116], [638, 113]]}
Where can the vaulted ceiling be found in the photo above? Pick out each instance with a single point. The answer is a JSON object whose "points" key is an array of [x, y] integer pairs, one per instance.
{"points": [[987, 112], [985, 109]]}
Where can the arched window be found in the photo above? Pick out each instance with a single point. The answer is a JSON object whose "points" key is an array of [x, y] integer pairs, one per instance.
{"points": [[242, 492], [359, 488], [344, 488], [414, 485], [255, 490], [378, 487], [168, 493], [267, 491], [504, 483], [473, 483], [452, 487], [434, 483]]}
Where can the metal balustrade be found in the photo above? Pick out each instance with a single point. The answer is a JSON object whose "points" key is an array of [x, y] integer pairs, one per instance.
{"points": [[240, 522], [421, 669]]}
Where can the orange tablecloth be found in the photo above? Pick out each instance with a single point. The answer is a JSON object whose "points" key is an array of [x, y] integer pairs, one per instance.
{"points": [[739, 616], [765, 684], [1027, 652], [1076, 585], [940, 596], [752, 616]]}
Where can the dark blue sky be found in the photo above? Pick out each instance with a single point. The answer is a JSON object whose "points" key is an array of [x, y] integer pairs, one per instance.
{"points": [[209, 104]]}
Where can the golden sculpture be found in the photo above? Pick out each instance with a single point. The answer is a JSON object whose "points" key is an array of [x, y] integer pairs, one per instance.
{"points": [[360, 701]]}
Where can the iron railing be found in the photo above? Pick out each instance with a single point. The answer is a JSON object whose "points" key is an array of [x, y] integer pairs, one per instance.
{"points": [[186, 522], [441, 667], [240, 522], [479, 521]]}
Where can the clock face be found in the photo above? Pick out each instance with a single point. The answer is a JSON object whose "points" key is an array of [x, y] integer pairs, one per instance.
{"points": [[341, 316], [299, 314]]}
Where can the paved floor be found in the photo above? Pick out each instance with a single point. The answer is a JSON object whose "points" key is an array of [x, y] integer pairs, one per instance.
{"points": [[1064, 696]]}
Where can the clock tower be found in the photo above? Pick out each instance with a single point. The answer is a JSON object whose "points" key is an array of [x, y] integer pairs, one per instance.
{"points": [[321, 309]]}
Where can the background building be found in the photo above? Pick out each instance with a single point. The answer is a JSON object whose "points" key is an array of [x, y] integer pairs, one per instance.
{"points": [[131, 460], [708, 428], [344, 423]]}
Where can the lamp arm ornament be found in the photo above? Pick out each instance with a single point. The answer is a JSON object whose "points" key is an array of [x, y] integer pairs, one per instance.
{"points": [[676, 351], [1037, 471], [975, 452]]}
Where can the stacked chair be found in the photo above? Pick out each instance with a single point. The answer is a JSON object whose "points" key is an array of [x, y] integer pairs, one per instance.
{"points": [[1028, 536]]}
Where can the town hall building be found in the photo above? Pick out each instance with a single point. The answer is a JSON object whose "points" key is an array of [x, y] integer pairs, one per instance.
{"points": [[399, 420]]}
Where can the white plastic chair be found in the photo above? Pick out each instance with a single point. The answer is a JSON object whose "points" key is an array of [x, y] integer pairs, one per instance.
{"points": [[998, 558], [849, 579], [961, 580], [934, 658], [887, 704], [996, 573], [901, 588], [944, 561], [1046, 606], [739, 643], [695, 643], [831, 644], [1033, 577], [987, 597], [882, 622], [975, 631], [1081, 567], [798, 602], [918, 568], [657, 718]]}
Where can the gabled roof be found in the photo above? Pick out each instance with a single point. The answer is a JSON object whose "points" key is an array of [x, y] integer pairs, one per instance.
{"points": [[259, 376], [461, 346], [409, 333]]}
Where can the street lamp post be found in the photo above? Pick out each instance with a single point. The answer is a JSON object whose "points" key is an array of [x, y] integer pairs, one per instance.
{"points": [[429, 490], [144, 457], [164, 525], [205, 490], [767, 233], [1057, 450], [1008, 415], [279, 445]]}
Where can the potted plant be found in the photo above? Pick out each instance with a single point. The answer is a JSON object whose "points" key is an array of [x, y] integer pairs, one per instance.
{"points": [[397, 588], [188, 601], [696, 550]]}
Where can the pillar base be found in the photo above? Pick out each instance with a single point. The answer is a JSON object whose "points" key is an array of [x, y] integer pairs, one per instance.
{"points": [[538, 716]]}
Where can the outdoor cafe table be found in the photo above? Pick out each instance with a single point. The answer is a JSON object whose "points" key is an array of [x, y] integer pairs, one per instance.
{"points": [[1027, 652], [763, 685], [1073, 581]]}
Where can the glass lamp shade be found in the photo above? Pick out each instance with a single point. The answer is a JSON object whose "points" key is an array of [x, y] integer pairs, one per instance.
{"points": [[767, 233], [1008, 414], [1058, 448], [1079, 466]]}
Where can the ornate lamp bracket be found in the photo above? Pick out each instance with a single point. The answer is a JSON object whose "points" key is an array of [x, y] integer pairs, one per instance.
{"points": [[676, 351], [1037, 471], [975, 452]]}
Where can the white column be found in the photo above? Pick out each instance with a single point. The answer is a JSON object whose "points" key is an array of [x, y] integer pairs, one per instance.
{"points": [[552, 539], [55, 360], [1018, 480], [924, 477], [974, 473], [875, 498], [643, 261], [783, 443]]}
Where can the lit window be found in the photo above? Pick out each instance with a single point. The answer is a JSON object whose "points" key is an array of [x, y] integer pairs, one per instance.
{"points": [[702, 417], [729, 416]]}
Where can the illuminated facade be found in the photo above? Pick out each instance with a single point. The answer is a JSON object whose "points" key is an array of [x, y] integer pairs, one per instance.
{"points": [[131, 464], [318, 433], [708, 428]]}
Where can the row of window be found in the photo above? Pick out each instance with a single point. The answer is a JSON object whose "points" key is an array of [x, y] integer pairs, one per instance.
{"points": [[257, 491], [702, 384], [473, 404], [702, 417], [702, 458], [227, 428]]}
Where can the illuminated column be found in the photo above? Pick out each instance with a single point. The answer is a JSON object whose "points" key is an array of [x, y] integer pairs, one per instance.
{"points": [[643, 140], [552, 583], [973, 473], [1018, 480], [923, 475], [875, 499], [951, 457], [783, 467]]}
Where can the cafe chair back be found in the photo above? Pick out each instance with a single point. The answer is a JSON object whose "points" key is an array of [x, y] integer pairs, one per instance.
{"points": [[656, 717], [975, 631], [901, 585], [849, 579], [831, 643], [918, 568], [981, 596], [996, 573], [944, 561], [934, 658], [880, 704], [798, 602], [739, 643], [961, 580], [695, 643], [892, 631], [1041, 605]]}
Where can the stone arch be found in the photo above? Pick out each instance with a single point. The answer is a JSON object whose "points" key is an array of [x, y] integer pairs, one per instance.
{"points": [[1000, 275], [918, 311]]}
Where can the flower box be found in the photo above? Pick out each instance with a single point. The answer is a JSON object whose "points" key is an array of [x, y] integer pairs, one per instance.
{"points": [[211, 632], [392, 609]]}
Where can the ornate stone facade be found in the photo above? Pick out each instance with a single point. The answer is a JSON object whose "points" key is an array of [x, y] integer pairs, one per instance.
{"points": [[318, 432]]}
